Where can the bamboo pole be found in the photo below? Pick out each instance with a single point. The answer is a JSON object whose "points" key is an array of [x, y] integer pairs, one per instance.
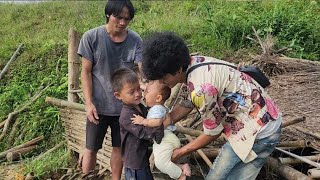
{"points": [[209, 152], [13, 57], [317, 165], [16, 154], [294, 121], [193, 132], [290, 160], [29, 143], [314, 173], [285, 171], [73, 65], [309, 132], [296, 144], [200, 152], [63, 103]]}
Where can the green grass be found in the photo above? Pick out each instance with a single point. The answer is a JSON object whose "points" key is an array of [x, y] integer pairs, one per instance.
{"points": [[214, 28]]}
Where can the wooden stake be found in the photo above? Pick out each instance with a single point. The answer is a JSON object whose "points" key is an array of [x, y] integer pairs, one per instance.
{"points": [[295, 121], [73, 65], [14, 56]]}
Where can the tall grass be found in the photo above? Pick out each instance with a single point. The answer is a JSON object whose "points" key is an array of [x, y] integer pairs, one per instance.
{"points": [[214, 28]]}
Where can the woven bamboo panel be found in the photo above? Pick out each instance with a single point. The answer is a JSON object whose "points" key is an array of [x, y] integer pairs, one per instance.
{"points": [[74, 122]]}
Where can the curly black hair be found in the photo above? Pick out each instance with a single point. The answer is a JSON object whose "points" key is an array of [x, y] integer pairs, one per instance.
{"points": [[164, 53]]}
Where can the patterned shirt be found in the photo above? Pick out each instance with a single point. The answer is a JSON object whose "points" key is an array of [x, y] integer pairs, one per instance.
{"points": [[231, 102]]}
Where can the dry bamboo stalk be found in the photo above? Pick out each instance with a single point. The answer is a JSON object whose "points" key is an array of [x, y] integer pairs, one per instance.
{"points": [[63, 103], [50, 150], [290, 160], [309, 132], [13, 57], [193, 132], [13, 133], [16, 154], [200, 152], [209, 152], [295, 121], [29, 143], [299, 157], [296, 144], [73, 65], [18, 111], [314, 173], [285, 171]]}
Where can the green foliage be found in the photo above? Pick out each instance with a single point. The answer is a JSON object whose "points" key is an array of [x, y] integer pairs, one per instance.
{"points": [[214, 28]]}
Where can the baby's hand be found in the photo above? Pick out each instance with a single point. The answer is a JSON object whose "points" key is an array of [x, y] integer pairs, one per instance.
{"points": [[137, 119]]}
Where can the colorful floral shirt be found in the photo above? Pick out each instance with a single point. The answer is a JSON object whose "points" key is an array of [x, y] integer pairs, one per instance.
{"points": [[231, 102]]}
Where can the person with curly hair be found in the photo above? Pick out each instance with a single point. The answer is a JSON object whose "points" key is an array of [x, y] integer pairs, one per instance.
{"points": [[224, 100]]}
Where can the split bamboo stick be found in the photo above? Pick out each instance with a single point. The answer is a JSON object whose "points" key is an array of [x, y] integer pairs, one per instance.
{"points": [[309, 132], [296, 144], [13, 57], [50, 150]]}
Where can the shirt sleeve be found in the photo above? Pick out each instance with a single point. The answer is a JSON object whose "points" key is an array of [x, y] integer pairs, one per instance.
{"points": [[138, 53], [157, 112], [142, 132], [85, 49]]}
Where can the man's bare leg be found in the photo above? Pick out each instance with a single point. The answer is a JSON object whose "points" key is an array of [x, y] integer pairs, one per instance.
{"points": [[89, 160], [116, 163]]}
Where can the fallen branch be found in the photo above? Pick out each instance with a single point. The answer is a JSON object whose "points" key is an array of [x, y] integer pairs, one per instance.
{"points": [[299, 157], [17, 111], [285, 171], [51, 150], [16, 154], [209, 152], [13, 57], [295, 121], [29, 143], [309, 132]]}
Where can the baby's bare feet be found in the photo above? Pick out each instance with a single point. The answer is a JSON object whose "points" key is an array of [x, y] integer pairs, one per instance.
{"points": [[186, 169]]}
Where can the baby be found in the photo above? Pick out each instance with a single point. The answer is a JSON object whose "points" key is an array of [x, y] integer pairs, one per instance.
{"points": [[155, 96]]}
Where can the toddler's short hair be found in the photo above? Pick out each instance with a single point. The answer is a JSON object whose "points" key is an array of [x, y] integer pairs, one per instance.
{"points": [[122, 76]]}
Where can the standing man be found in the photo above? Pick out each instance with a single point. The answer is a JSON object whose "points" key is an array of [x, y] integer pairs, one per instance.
{"points": [[103, 50]]}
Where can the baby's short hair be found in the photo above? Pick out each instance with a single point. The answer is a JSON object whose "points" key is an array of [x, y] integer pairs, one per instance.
{"points": [[122, 76]]}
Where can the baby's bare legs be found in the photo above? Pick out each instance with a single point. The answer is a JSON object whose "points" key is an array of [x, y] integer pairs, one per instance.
{"points": [[186, 171]]}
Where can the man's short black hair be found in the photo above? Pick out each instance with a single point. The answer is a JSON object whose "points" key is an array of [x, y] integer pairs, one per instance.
{"points": [[122, 76], [164, 53], [115, 7]]}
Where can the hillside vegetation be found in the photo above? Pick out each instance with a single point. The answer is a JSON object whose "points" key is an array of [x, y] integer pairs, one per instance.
{"points": [[216, 29]]}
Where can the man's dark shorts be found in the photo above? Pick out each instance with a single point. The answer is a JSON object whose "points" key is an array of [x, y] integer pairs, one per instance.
{"points": [[95, 133]]}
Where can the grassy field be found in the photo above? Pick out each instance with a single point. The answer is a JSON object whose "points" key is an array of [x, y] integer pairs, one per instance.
{"points": [[216, 29]]}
